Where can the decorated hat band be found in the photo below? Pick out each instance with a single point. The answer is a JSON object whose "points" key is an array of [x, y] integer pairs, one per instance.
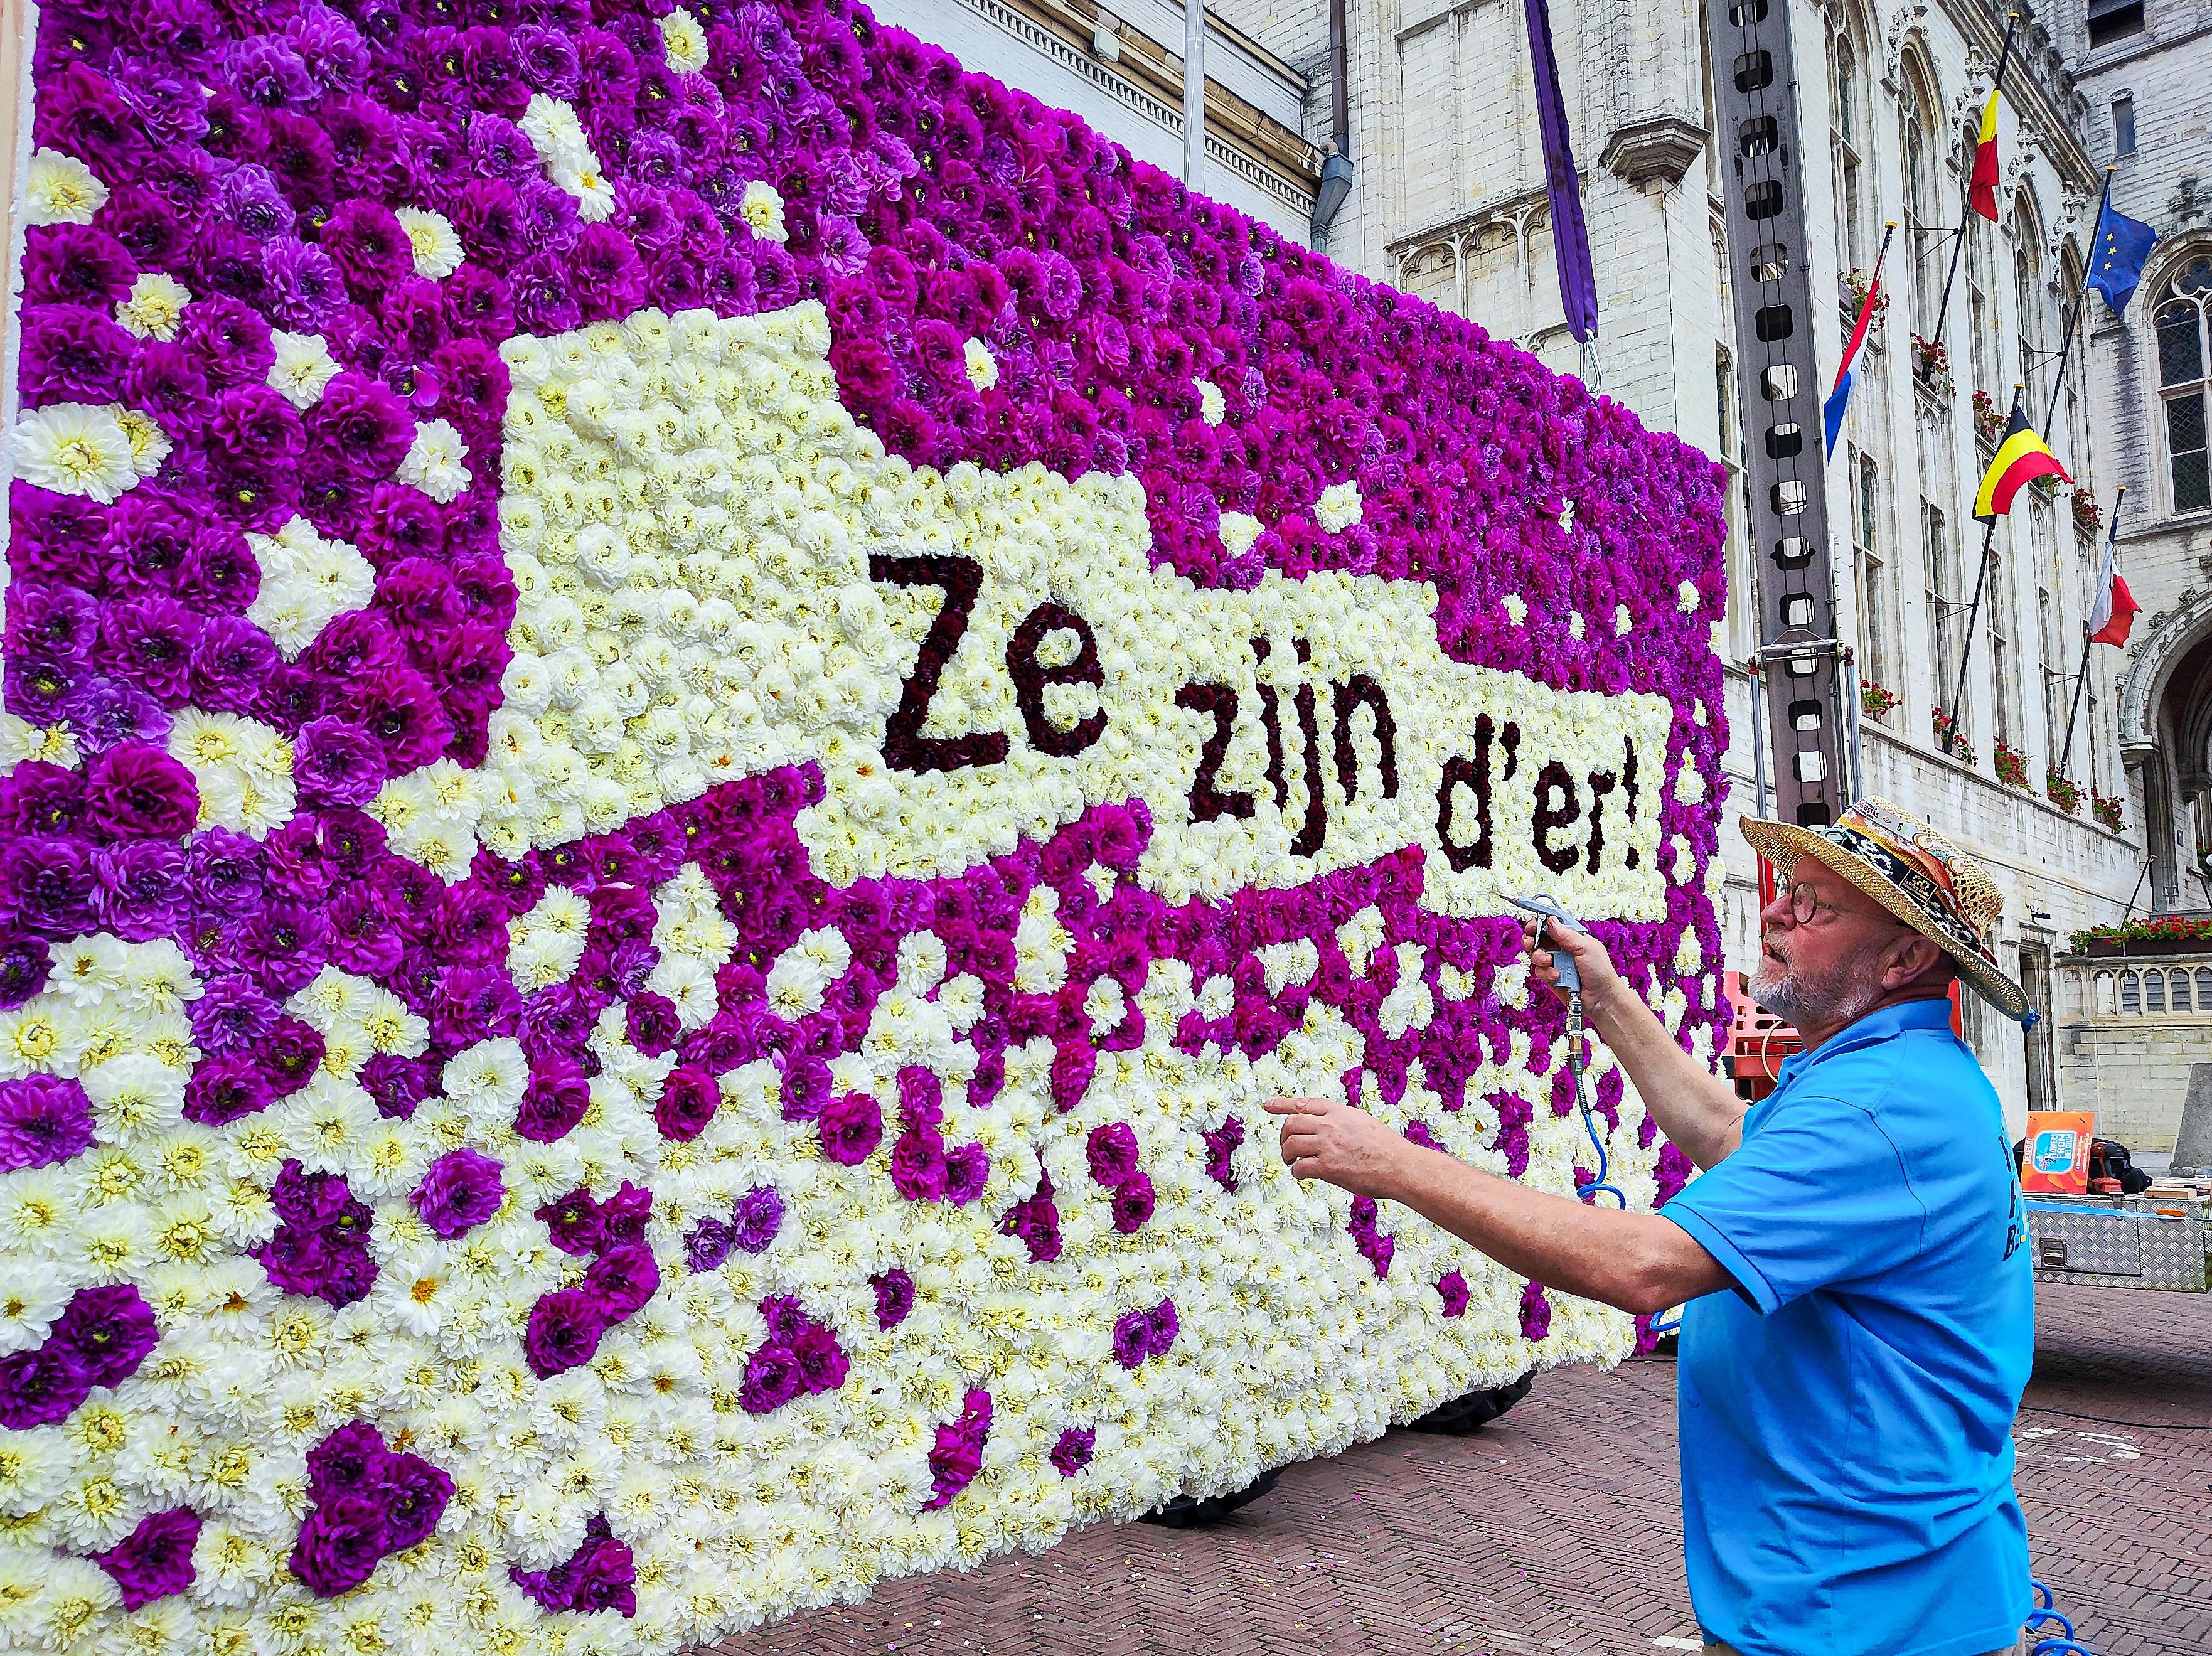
{"points": [[1916, 872]]}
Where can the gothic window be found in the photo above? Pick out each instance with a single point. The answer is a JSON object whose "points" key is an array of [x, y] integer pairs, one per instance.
{"points": [[1939, 585], [1920, 213], [1845, 141], [2184, 317], [1874, 590], [2113, 19]]}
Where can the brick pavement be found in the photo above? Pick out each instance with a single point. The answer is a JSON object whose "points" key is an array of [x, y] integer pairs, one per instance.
{"points": [[1557, 1529]]}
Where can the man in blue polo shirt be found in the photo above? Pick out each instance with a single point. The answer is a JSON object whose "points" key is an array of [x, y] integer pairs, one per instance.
{"points": [[1859, 1320]]}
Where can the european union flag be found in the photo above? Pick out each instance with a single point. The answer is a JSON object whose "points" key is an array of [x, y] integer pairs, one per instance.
{"points": [[2116, 260]]}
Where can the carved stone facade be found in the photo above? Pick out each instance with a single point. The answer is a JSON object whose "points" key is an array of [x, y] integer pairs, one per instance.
{"points": [[2150, 97]]}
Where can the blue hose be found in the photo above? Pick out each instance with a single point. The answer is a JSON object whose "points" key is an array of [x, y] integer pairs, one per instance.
{"points": [[2046, 1610]]}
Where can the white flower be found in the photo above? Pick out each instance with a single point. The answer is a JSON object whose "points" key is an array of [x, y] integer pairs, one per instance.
{"points": [[306, 583], [149, 444], [1687, 597], [1239, 530], [304, 368], [762, 206], [683, 42], [1211, 408], [76, 448], [1517, 606], [1338, 507], [982, 368], [28, 1309], [436, 245], [62, 191], [154, 306], [436, 462]]}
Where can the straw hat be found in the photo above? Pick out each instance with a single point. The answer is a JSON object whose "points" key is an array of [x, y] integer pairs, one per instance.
{"points": [[1916, 874]]}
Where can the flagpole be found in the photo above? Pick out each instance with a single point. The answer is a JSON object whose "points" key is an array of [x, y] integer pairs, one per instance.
{"points": [[2073, 317], [1966, 217], [1974, 610], [2082, 675], [1861, 324]]}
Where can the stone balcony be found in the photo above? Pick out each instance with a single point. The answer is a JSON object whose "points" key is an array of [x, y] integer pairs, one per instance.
{"points": [[2128, 1029]]}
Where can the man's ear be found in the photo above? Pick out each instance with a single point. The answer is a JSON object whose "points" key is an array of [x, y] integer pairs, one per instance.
{"points": [[1917, 958]]}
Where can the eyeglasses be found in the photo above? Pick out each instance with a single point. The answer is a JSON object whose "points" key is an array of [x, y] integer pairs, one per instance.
{"points": [[1805, 903]]}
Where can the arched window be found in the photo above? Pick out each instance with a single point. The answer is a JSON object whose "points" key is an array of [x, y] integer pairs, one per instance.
{"points": [[2183, 320], [1845, 128], [1982, 277], [1921, 214]]}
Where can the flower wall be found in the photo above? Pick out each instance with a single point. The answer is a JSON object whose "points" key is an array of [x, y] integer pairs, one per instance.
{"points": [[693, 708]]}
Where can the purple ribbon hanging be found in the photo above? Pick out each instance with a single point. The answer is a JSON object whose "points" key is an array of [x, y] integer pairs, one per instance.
{"points": [[1569, 235]]}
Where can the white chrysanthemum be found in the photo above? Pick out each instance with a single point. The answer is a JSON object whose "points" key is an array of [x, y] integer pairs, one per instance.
{"points": [[62, 191], [133, 1097], [149, 444], [982, 368], [76, 448], [304, 368], [1239, 530], [1338, 507], [27, 1310], [435, 244], [762, 206], [1517, 606], [683, 42], [306, 583], [436, 462], [588, 183], [154, 306], [1211, 408], [488, 1077], [688, 982], [1687, 597], [34, 1467]]}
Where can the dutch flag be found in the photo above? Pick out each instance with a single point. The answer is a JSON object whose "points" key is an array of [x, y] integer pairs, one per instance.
{"points": [[1839, 399]]}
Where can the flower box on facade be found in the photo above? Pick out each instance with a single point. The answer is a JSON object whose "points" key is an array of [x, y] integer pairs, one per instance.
{"points": [[2117, 948]]}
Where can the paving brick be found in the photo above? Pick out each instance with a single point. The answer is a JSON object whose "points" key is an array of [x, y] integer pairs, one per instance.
{"points": [[1558, 1529]]}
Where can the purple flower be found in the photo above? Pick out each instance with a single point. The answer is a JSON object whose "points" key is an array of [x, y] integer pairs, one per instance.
{"points": [[24, 964], [139, 792], [139, 891], [623, 1215], [224, 1088], [1163, 1325], [108, 1331], [1536, 1313], [340, 1543], [43, 1119], [1451, 1287], [1113, 1151], [155, 1559], [1132, 1338], [759, 1217], [40, 1386], [565, 1327], [821, 1361], [336, 762], [918, 1166], [1073, 1452], [415, 1494], [772, 1379], [967, 1170], [462, 1188], [576, 1223], [893, 1296], [231, 1014], [554, 1101], [708, 1244], [1132, 1203], [622, 1279], [851, 1126], [689, 1099], [351, 1460], [959, 1454]]}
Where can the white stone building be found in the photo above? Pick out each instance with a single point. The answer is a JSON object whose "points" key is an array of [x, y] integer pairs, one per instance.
{"points": [[1447, 202]]}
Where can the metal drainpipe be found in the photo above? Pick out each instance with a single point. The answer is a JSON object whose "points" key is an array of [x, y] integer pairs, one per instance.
{"points": [[1193, 94], [1336, 167]]}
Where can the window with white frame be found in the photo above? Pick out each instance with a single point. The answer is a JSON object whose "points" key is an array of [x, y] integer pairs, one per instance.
{"points": [[1921, 230], [2184, 349], [1843, 128], [1935, 565], [1865, 474]]}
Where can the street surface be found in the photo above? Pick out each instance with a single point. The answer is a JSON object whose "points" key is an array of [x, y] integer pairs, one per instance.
{"points": [[1557, 1529]]}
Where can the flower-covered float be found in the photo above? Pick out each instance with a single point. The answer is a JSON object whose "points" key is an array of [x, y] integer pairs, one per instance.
{"points": [[694, 707]]}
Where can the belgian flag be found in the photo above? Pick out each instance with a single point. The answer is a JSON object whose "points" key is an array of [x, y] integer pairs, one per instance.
{"points": [[2020, 455], [1982, 185]]}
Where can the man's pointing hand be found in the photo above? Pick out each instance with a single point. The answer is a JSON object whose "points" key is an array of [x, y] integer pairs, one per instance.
{"points": [[1324, 1139]]}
